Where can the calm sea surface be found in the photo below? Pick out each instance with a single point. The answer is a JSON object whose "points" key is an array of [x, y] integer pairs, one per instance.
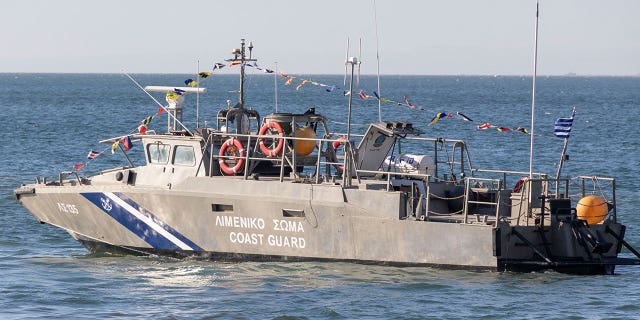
{"points": [[51, 121]]}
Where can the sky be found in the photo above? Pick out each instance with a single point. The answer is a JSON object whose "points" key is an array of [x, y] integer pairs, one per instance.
{"points": [[421, 37]]}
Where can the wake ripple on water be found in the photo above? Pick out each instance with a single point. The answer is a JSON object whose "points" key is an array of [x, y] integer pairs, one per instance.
{"points": [[89, 286]]}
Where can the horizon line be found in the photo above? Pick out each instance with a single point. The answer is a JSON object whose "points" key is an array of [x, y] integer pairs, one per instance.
{"points": [[570, 74]]}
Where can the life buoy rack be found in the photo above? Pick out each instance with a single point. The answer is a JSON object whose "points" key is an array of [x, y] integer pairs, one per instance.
{"points": [[238, 154], [520, 184], [336, 145], [265, 149]]}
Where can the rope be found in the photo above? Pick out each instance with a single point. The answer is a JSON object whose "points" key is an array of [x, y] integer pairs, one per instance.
{"points": [[444, 198], [444, 214], [353, 124]]}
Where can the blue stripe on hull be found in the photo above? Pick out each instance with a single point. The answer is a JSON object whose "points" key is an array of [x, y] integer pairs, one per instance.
{"points": [[131, 215], [151, 216]]}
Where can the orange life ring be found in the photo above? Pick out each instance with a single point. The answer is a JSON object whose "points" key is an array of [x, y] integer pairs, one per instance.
{"points": [[520, 184], [336, 145], [265, 150], [239, 149]]}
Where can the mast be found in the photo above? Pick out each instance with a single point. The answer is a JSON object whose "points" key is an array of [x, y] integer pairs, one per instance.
{"points": [[346, 177], [351, 61], [533, 93], [240, 56]]}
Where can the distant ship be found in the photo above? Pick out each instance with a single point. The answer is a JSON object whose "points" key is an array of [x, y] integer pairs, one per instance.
{"points": [[286, 188]]}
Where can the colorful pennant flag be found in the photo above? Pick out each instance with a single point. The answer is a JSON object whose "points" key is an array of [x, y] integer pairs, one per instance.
{"points": [[126, 143], [379, 98], [362, 95], [114, 146], [174, 94], [436, 118], [78, 166], [463, 117], [191, 82], [484, 126], [523, 130], [302, 84], [218, 65], [503, 129], [204, 74], [407, 102], [92, 155], [147, 120]]}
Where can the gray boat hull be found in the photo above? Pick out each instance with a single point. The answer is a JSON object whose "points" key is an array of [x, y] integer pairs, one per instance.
{"points": [[240, 220]]}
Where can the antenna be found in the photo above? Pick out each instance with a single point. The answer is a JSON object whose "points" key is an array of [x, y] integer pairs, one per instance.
{"points": [[359, 60], [275, 81], [198, 96], [375, 18], [346, 59], [533, 92]]}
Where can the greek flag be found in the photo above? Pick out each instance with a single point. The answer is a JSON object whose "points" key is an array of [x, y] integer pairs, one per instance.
{"points": [[563, 126]]}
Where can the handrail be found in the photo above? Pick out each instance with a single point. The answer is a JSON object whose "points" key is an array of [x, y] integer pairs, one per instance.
{"points": [[389, 174], [63, 174], [467, 189], [283, 159], [324, 157]]}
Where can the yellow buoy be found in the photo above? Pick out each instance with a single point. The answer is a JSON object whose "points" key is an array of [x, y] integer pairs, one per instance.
{"points": [[305, 147], [592, 208]]}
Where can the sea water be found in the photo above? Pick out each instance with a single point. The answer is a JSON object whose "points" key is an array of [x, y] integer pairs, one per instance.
{"points": [[51, 122]]}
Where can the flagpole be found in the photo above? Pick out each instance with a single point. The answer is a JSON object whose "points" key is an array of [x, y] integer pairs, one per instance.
{"points": [[563, 155], [564, 151], [533, 93]]}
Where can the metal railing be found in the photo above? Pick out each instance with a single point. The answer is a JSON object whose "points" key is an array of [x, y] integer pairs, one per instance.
{"points": [[286, 157], [467, 201]]}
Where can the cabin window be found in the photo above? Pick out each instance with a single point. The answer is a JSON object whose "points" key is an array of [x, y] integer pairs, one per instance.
{"points": [[184, 156], [158, 153]]}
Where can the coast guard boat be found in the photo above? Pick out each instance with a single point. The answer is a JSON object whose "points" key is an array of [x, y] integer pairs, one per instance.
{"points": [[284, 187]]}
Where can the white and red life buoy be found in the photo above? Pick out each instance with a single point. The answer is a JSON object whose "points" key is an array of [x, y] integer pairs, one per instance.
{"points": [[520, 184], [336, 145], [236, 150], [265, 149]]}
